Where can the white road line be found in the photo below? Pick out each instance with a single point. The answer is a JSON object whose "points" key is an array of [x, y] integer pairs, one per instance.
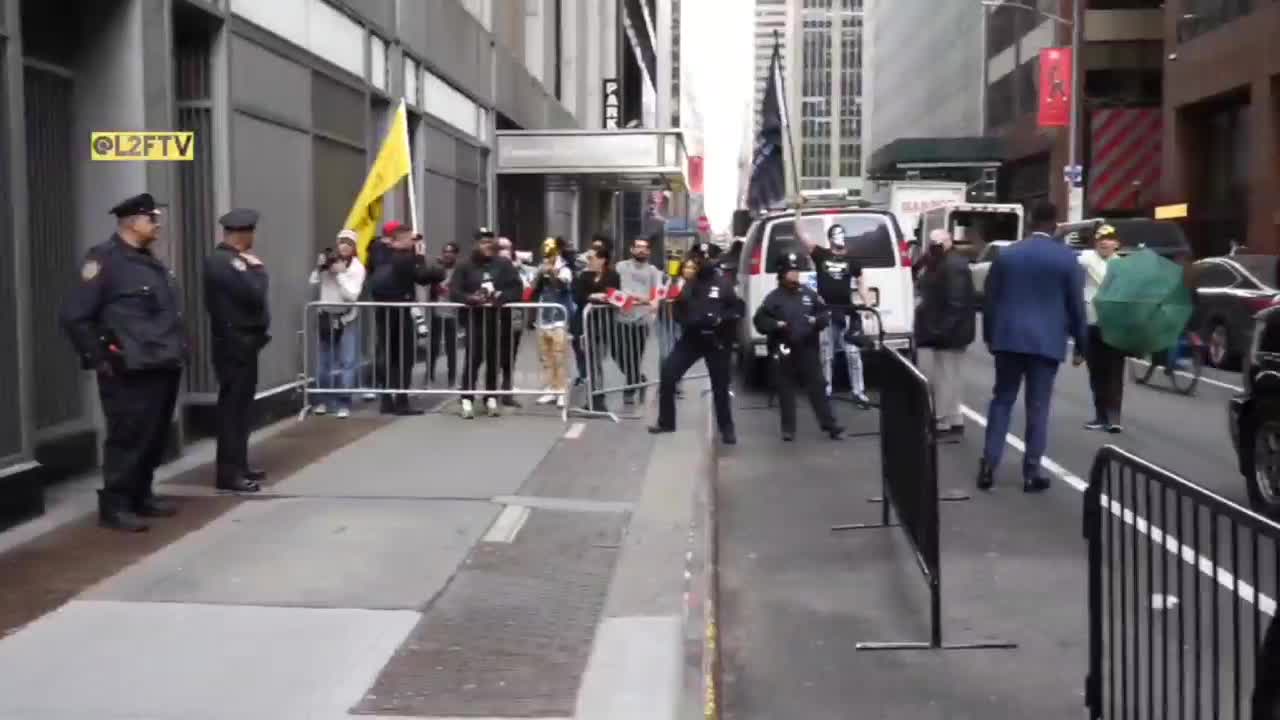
{"points": [[508, 524], [1203, 379], [575, 431], [1188, 554]]}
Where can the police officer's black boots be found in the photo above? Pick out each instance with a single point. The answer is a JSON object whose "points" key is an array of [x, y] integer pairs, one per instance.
{"points": [[233, 481], [114, 513], [150, 506]]}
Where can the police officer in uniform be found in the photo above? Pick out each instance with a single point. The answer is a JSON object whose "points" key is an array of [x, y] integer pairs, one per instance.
{"points": [[235, 289], [124, 318], [793, 318], [707, 310]]}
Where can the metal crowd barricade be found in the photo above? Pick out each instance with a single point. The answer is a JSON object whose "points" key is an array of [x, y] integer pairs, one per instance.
{"points": [[909, 480], [1181, 593], [621, 355], [395, 351]]}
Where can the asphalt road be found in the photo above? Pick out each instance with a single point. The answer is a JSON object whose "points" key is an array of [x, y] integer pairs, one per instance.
{"points": [[797, 599]]}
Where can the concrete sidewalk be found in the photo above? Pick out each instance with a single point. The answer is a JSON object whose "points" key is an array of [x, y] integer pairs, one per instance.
{"points": [[422, 567]]}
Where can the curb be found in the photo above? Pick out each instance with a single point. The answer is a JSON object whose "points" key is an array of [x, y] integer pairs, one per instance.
{"points": [[701, 631]]}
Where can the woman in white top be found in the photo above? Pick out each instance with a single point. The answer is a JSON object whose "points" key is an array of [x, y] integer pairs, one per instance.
{"points": [[340, 279], [1106, 363]]}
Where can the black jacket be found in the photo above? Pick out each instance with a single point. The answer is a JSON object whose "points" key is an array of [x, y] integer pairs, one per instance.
{"points": [[795, 318], [709, 306], [836, 273], [497, 276], [394, 273], [586, 284], [125, 309], [946, 318], [235, 295]]}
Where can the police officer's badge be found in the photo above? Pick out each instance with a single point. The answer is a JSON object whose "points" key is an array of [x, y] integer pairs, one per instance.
{"points": [[239, 264], [90, 270]]}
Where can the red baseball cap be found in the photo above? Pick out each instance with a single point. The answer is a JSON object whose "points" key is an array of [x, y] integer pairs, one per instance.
{"points": [[392, 227]]}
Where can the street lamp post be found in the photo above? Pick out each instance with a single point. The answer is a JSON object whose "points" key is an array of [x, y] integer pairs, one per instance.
{"points": [[1075, 201]]}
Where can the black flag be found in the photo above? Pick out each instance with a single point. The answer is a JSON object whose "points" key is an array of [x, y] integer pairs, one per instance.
{"points": [[767, 187]]}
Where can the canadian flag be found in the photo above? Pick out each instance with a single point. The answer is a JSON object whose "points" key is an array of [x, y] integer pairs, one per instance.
{"points": [[670, 291], [619, 299], [528, 294]]}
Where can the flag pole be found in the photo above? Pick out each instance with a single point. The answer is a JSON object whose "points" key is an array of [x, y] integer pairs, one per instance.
{"points": [[413, 195]]}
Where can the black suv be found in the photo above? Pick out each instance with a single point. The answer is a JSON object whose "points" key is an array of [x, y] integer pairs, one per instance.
{"points": [[1254, 415]]}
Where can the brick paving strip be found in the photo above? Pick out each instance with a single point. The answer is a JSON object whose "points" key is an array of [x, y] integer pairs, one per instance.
{"points": [[40, 575]]}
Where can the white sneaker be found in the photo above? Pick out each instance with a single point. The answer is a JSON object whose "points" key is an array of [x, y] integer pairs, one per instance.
{"points": [[320, 410], [468, 411], [560, 402], [344, 413], [492, 406], [546, 399]]}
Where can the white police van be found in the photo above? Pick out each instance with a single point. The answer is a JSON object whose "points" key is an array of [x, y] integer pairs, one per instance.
{"points": [[873, 239]]}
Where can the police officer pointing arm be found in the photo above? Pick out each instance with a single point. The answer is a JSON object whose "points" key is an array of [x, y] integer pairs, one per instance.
{"points": [[708, 310], [235, 290], [124, 318]]}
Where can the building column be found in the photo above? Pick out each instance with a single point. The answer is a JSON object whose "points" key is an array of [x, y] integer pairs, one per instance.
{"points": [[1264, 178], [16, 178]]}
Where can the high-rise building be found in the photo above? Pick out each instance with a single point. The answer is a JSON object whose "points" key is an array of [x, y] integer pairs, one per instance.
{"points": [[825, 99], [770, 23], [926, 70]]}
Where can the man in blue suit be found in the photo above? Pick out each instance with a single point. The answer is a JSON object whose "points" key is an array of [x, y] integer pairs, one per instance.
{"points": [[1034, 302]]}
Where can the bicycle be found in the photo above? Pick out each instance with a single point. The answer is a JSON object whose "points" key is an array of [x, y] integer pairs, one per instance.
{"points": [[1182, 364]]}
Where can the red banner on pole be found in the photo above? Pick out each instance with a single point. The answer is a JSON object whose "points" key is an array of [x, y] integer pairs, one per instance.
{"points": [[1055, 87], [695, 173]]}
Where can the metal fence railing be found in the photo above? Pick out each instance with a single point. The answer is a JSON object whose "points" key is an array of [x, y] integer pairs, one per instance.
{"points": [[1181, 596], [620, 355], [396, 351], [909, 479]]}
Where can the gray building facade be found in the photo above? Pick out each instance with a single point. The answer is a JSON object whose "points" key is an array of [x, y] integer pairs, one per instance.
{"points": [[288, 100], [926, 70]]}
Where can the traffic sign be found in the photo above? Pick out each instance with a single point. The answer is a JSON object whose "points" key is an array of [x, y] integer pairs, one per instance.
{"points": [[1073, 175]]}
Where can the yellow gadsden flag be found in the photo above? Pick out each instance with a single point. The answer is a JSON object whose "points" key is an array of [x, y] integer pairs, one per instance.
{"points": [[391, 166]]}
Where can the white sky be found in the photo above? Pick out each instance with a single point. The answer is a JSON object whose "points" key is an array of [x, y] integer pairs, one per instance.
{"points": [[716, 42]]}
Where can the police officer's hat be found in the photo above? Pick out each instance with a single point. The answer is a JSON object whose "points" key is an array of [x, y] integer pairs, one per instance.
{"points": [[789, 262], [142, 204], [1106, 231], [484, 232], [239, 219]]}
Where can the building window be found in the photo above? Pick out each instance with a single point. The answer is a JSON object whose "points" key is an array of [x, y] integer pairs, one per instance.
{"points": [[1202, 16], [411, 75], [445, 102], [1000, 102], [1027, 78], [378, 62], [1002, 29]]}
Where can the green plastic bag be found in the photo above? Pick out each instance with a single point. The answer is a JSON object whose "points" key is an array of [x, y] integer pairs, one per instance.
{"points": [[1143, 305]]}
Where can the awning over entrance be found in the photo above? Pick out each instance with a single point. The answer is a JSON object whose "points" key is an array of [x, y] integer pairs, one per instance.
{"points": [[619, 159], [907, 154]]}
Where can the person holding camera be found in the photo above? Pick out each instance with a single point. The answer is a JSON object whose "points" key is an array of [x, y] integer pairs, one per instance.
{"points": [[340, 275], [395, 269], [444, 320], [838, 276]]}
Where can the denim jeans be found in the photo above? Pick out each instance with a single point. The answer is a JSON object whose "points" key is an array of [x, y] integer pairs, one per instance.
{"points": [[336, 364], [832, 344]]}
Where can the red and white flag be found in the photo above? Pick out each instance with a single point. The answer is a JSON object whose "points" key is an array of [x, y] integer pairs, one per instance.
{"points": [[528, 294], [659, 293], [672, 290], [619, 299]]}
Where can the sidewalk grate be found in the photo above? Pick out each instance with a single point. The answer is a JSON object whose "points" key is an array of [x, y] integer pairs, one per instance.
{"points": [[619, 454], [510, 636]]}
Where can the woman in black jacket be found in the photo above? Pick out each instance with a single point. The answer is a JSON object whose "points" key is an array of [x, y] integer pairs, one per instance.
{"points": [[591, 287], [946, 324]]}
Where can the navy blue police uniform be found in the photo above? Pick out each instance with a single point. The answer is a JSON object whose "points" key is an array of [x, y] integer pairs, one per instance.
{"points": [[235, 293], [124, 318], [707, 310], [793, 319]]}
